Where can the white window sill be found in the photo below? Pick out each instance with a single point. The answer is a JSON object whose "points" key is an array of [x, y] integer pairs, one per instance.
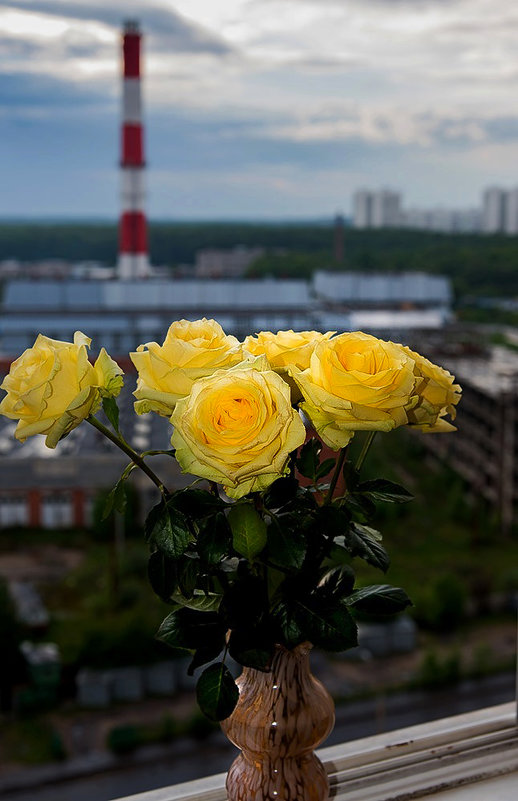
{"points": [[470, 757]]}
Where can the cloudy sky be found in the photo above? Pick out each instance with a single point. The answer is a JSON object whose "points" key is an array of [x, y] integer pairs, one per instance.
{"points": [[259, 108]]}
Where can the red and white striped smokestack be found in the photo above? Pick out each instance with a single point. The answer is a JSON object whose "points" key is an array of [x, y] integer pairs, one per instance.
{"points": [[133, 250]]}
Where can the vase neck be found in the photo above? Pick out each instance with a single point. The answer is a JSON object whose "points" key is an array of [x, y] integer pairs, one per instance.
{"points": [[285, 663]]}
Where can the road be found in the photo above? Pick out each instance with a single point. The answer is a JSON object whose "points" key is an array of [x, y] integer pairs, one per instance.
{"points": [[353, 721]]}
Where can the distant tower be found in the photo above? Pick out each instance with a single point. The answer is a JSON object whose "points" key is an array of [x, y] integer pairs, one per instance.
{"points": [[133, 251]]}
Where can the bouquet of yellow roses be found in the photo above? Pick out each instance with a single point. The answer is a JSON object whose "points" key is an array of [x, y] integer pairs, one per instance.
{"points": [[263, 553]]}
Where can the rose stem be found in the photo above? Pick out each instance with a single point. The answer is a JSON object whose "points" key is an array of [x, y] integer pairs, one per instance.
{"points": [[128, 450], [336, 475], [364, 451]]}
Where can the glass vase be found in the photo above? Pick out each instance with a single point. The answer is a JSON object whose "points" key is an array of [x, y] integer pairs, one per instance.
{"points": [[280, 718]]}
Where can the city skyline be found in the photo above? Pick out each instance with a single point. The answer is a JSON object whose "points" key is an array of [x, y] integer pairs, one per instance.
{"points": [[258, 108]]}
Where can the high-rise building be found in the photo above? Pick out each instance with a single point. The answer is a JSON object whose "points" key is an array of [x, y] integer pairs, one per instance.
{"points": [[362, 209], [133, 259], [511, 212], [493, 210], [386, 209], [442, 220], [381, 209], [468, 221]]}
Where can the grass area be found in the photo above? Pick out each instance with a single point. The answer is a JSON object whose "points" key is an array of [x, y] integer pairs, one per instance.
{"points": [[32, 742], [126, 738], [104, 613], [487, 316], [441, 668], [501, 339]]}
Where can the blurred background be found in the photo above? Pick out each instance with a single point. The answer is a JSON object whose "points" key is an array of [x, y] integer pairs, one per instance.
{"points": [[274, 164]]}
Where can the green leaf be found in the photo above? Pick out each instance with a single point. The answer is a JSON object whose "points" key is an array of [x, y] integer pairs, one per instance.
{"points": [[331, 521], [326, 624], [307, 462], [372, 532], [289, 624], [202, 602], [379, 599], [203, 655], [197, 503], [338, 554], [280, 492], [189, 573], [337, 582], [248, 530], [153, 516], [189, 629], [303, 504], [251, 648], [108, 504], [163, 575], [214, 539], [172, 632], [111, 411], [360, 505], [380, 489], [168, 529], [360, 542], [116, 499], [331, 626], [274, 580], [287, 546], [216, 692], [324, 468]]}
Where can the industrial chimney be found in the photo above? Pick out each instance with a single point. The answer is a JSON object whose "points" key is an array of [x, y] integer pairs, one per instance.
{"points": [[133, 259]]}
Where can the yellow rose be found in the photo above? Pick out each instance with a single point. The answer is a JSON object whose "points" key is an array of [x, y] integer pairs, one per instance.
{"points": [[191, 350], [52, 387], [356, 382], [285, 348], [237, 427], [437, 396]]}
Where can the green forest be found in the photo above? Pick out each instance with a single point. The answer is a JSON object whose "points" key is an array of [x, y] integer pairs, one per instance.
{"points": [[478, 265]]}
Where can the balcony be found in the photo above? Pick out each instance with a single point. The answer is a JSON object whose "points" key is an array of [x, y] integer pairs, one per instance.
{"points": [[469, 757]]}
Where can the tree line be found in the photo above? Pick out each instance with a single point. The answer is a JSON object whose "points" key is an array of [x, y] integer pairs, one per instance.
{"points": [[477, 265]]}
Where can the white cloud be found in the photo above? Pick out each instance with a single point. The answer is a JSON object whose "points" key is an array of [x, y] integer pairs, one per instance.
{"points": [[428, 76]]}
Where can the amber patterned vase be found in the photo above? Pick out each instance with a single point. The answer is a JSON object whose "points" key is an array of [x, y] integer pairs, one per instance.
{"points": [[281, 716]]}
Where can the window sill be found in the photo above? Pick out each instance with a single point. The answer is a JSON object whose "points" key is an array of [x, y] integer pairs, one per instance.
{"points": [[440, 758]]}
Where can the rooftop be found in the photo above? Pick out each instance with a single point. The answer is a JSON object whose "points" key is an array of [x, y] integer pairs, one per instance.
{"points": [[494, 374]]}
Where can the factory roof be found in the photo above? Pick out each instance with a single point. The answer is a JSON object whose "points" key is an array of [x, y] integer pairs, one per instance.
{"points": [[354, 287], [153, 294]]}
